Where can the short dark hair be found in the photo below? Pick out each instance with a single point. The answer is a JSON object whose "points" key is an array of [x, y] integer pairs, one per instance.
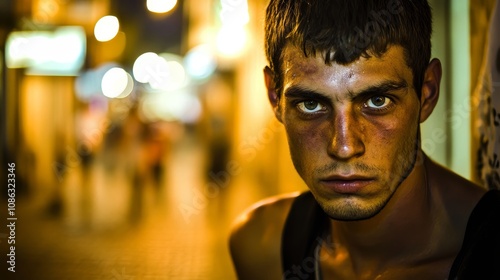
{"points": [[344, 30]]}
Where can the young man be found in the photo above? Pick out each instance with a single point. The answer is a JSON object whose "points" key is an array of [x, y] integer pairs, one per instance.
{"points": [[351, 80]]}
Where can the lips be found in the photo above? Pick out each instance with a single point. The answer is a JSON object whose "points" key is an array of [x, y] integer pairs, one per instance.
{"points": [[346, 184]]}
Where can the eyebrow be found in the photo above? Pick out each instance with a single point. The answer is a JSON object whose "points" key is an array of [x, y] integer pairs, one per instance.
{"points": [[300, 92], [384, 86]]}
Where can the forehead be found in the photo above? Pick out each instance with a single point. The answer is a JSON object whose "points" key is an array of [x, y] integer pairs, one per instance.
{"points": [[313, 73]]}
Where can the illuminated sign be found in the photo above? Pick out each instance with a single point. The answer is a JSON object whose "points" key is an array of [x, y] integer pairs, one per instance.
{"points": [[57, 53]]}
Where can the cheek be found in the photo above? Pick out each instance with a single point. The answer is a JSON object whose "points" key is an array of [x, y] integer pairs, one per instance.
{"points": [[305, 142], [393, 137]]}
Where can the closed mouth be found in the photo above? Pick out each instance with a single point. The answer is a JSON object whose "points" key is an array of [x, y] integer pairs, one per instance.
{"points": [[346, 184]]}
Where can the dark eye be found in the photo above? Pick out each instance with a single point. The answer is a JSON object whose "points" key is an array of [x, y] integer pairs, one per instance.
{"points": [[377, 102], [310, 106]]}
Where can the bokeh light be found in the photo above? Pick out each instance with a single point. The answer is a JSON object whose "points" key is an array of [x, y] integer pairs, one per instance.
{"points": [[176, 74], [160, 6], [88, 83], [116, 83], [106, 28], [145, 67], [161, 72], [58, 52]]}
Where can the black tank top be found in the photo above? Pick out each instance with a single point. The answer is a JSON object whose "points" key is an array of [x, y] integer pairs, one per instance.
{"points": [[479, 257]]}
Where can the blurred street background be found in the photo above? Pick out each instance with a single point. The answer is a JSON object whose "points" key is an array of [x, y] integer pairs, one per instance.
{"points": [[140, 130]]}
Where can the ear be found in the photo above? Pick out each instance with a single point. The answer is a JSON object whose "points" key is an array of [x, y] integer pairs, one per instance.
{"points": [[272, 94], [429, 94]]}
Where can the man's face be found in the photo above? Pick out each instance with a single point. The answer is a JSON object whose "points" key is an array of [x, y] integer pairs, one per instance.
{"points": [[352, 129]]}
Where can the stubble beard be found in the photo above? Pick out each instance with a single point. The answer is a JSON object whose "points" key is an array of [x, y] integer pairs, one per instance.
{"points": [[350, 209]]}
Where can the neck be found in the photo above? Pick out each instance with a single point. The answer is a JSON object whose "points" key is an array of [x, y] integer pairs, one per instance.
{"points": [[402, 229]]}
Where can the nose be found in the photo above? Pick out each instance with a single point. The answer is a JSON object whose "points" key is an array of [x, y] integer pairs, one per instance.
{"points": [[346, 137]]}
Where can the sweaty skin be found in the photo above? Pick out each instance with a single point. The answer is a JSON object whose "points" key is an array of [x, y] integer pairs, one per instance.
{"points": [[347, 141], [353, 132]]}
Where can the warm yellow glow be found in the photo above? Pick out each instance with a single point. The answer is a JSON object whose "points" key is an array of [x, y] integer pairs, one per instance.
{"points": [[160, 6], [45, 11], [116, 82], [173, 106], [231, 40], [111, 50], [106, 28]]}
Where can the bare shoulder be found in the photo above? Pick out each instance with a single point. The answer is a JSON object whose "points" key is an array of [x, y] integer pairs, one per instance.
{"points": [[454, 185], [255, 239], [457, 193]]}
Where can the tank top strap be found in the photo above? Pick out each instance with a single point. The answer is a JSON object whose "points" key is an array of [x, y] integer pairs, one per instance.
{"points": [[304, 227]]}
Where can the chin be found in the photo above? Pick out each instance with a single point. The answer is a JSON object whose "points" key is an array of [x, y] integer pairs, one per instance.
{"points": [[352, 208]]}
